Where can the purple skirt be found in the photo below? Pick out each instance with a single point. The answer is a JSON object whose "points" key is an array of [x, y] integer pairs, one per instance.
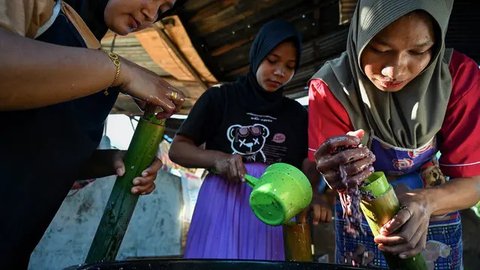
{"points": [[224, 226]]}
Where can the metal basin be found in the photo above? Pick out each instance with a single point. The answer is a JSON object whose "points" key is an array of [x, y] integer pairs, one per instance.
{"points": [[207, 264]]}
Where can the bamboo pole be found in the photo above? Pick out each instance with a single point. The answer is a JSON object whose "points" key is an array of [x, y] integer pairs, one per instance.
{"points": [[379, 207], [121, 203], [297, 241]]}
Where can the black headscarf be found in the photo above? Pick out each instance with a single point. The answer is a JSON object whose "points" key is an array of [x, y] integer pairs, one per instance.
{"points": [[271, 34], [92, 12]]}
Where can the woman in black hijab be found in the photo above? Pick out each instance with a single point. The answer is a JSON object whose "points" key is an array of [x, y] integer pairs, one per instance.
{"points": [[245, 126]]}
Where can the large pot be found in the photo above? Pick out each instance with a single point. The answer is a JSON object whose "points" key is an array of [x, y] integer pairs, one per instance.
{"points": [[207, 264]]}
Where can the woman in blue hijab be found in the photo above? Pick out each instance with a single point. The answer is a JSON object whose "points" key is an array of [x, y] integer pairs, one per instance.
{"points": [[245, 126]]}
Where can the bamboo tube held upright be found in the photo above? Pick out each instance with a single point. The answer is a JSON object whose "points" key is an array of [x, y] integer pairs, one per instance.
{"points": [[297, 241], [382, 205], [121, 203]]}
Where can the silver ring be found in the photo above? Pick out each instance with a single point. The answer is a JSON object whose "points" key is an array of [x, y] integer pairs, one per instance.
{"points": [[404, 207]]}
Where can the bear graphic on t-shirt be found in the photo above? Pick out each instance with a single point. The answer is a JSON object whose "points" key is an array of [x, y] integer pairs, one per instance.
{"points": [[248, 141]]}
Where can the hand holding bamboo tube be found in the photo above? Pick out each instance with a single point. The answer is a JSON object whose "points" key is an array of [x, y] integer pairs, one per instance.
{"points": [[379, 204], [121, 203]]}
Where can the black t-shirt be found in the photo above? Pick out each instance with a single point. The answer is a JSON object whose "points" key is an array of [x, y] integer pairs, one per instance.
{"points": [[223, 124]]}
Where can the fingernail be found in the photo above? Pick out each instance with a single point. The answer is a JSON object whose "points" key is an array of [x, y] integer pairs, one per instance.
{"points": [[134, 190], [402, 256], [144, 173], [136, 182]]}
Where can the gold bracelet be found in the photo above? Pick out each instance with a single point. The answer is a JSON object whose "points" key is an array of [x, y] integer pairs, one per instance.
{"points": [[116, 62]]}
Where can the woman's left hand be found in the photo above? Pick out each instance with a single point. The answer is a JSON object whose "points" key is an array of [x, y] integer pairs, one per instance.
{"points": [[406, 233], [145, 183], [106, 162]]}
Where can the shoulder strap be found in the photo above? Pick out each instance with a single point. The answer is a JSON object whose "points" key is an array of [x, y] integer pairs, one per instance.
{"points": [[87, 35], [82, 28], [49, 22]]}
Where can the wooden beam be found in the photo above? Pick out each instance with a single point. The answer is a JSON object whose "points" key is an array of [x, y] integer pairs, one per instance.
{"points": [[170, 47], [180, 55]]}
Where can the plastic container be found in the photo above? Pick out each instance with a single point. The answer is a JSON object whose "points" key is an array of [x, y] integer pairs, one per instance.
{"points": [[279, 194]]}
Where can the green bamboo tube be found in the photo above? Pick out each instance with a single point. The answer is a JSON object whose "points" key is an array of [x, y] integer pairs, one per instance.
{"points": [[476, 209], [379, 211], [121, 203]]}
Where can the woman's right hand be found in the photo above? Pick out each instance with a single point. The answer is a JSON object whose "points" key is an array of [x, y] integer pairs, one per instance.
{"points": [[343, 161], [230, 166], [147, 86]]}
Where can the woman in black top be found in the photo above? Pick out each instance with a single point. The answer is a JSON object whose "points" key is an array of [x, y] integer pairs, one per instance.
{"points": [[245, 126]]}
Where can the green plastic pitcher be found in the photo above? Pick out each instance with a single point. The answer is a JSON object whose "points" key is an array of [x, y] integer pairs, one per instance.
{"points": [[279, 194]]}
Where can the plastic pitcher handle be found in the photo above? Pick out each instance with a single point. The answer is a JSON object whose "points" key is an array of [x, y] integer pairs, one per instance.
{"points": [[250, 180]]}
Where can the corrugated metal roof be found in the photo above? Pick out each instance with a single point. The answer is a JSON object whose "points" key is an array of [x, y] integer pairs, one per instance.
{"points": [[221, 31]]}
